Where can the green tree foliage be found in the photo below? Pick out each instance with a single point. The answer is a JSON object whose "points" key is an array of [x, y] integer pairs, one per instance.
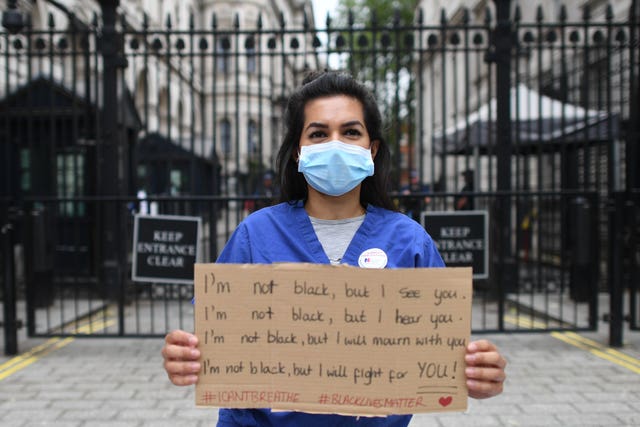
{"points": [[378, 33]]}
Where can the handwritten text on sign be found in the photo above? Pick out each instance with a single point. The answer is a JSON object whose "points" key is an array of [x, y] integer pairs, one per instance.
{"points": [[332, 339]]}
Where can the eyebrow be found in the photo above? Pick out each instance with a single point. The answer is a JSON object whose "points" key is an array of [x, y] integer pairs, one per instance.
{"points": [[344, 125]]}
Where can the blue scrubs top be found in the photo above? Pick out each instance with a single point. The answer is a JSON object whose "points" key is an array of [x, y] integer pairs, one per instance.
{"points": [[283, 233]]}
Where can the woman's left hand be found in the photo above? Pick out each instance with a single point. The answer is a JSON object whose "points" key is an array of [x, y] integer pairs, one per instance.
{"points": [[485, 369]]}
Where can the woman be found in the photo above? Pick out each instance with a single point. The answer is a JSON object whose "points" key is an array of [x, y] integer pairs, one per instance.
{"points": [[333, 168]]}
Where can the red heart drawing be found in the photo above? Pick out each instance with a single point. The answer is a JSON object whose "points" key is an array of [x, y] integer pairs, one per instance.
{"points": [[445, 401]]}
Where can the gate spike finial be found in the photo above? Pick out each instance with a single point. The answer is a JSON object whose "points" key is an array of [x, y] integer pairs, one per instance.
{"points": [[563, 14], [586, 12], [488, 17], [609, 12], [396, 17], [539, 14]]}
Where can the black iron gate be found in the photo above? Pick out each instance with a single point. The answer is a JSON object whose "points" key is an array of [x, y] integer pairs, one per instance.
{"points": [[103, 119]]}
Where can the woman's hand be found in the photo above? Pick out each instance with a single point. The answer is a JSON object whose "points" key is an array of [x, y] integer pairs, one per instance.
{"points": [[181, 357], [485, 369]]}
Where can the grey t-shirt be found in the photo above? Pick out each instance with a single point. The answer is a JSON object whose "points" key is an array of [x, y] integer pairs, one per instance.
{"points": [[335, 235]]}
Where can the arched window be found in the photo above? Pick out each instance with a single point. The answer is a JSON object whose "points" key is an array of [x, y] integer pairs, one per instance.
{"points": [[250, 47], [223, 47]]}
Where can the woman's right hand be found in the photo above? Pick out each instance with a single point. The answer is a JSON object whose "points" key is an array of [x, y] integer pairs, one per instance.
{"points": [[181, 357]]}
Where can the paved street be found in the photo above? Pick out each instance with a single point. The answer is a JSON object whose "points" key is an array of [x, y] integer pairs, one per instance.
{"points": [[559, 379]]}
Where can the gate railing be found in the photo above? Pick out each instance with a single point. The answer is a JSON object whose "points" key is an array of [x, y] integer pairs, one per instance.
{"points": [[549, 282]]}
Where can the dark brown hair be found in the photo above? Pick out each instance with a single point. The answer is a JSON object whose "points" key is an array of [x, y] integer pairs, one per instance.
{"points": [[316, 85]]}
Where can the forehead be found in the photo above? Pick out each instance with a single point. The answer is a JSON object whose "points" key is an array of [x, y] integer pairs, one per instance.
{"points": [[329, 108]]}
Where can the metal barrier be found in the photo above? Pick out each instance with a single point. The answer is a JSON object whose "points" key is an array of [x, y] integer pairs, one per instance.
{"points": [[550, 283]]}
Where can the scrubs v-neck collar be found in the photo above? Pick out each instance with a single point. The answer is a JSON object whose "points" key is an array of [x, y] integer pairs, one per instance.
{"points": [[355, 248]]}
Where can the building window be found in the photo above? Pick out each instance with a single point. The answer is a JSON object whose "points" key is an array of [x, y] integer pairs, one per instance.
{"points": [[25, 170], [224, 58], [252, 136], [178, 181], [70, 182], [250, 47], [225, 136]]}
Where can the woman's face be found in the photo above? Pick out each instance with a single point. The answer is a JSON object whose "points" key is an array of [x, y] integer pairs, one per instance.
{"points": [[334, 118]]}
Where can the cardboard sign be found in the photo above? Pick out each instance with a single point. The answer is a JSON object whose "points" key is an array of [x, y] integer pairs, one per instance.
{"points": [[462, 238], [332, 339], [165, 248]]}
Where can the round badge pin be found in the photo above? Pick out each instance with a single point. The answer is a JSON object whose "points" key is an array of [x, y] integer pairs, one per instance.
{"points": [[373, 258]]}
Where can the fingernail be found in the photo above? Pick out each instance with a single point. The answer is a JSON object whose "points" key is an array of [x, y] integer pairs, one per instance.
{"points": [[469, 372], [195, 353], [193, 341], [194, 366], [470, 358], [472, 347]]}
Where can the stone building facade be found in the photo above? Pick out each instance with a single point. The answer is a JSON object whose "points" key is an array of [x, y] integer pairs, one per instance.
{"points": [[209, 87], [463, 79]]}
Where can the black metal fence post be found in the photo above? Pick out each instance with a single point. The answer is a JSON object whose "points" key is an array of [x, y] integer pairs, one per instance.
{"points": [[502, 43], [110, 153], [13, 21], [633, 135], [632, 276], [616, 291], [10, 320]]}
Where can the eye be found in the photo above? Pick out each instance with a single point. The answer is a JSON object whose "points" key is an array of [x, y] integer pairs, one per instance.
{"points": [[318, 134], [353, 132]]}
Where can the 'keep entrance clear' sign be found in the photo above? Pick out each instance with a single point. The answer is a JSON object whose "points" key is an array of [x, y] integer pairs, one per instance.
{"points": [[461, 238], [332, 339], [165, 248]]}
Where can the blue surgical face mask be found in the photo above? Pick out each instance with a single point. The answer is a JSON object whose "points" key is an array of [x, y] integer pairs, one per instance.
{"points": [[335, 168]]}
